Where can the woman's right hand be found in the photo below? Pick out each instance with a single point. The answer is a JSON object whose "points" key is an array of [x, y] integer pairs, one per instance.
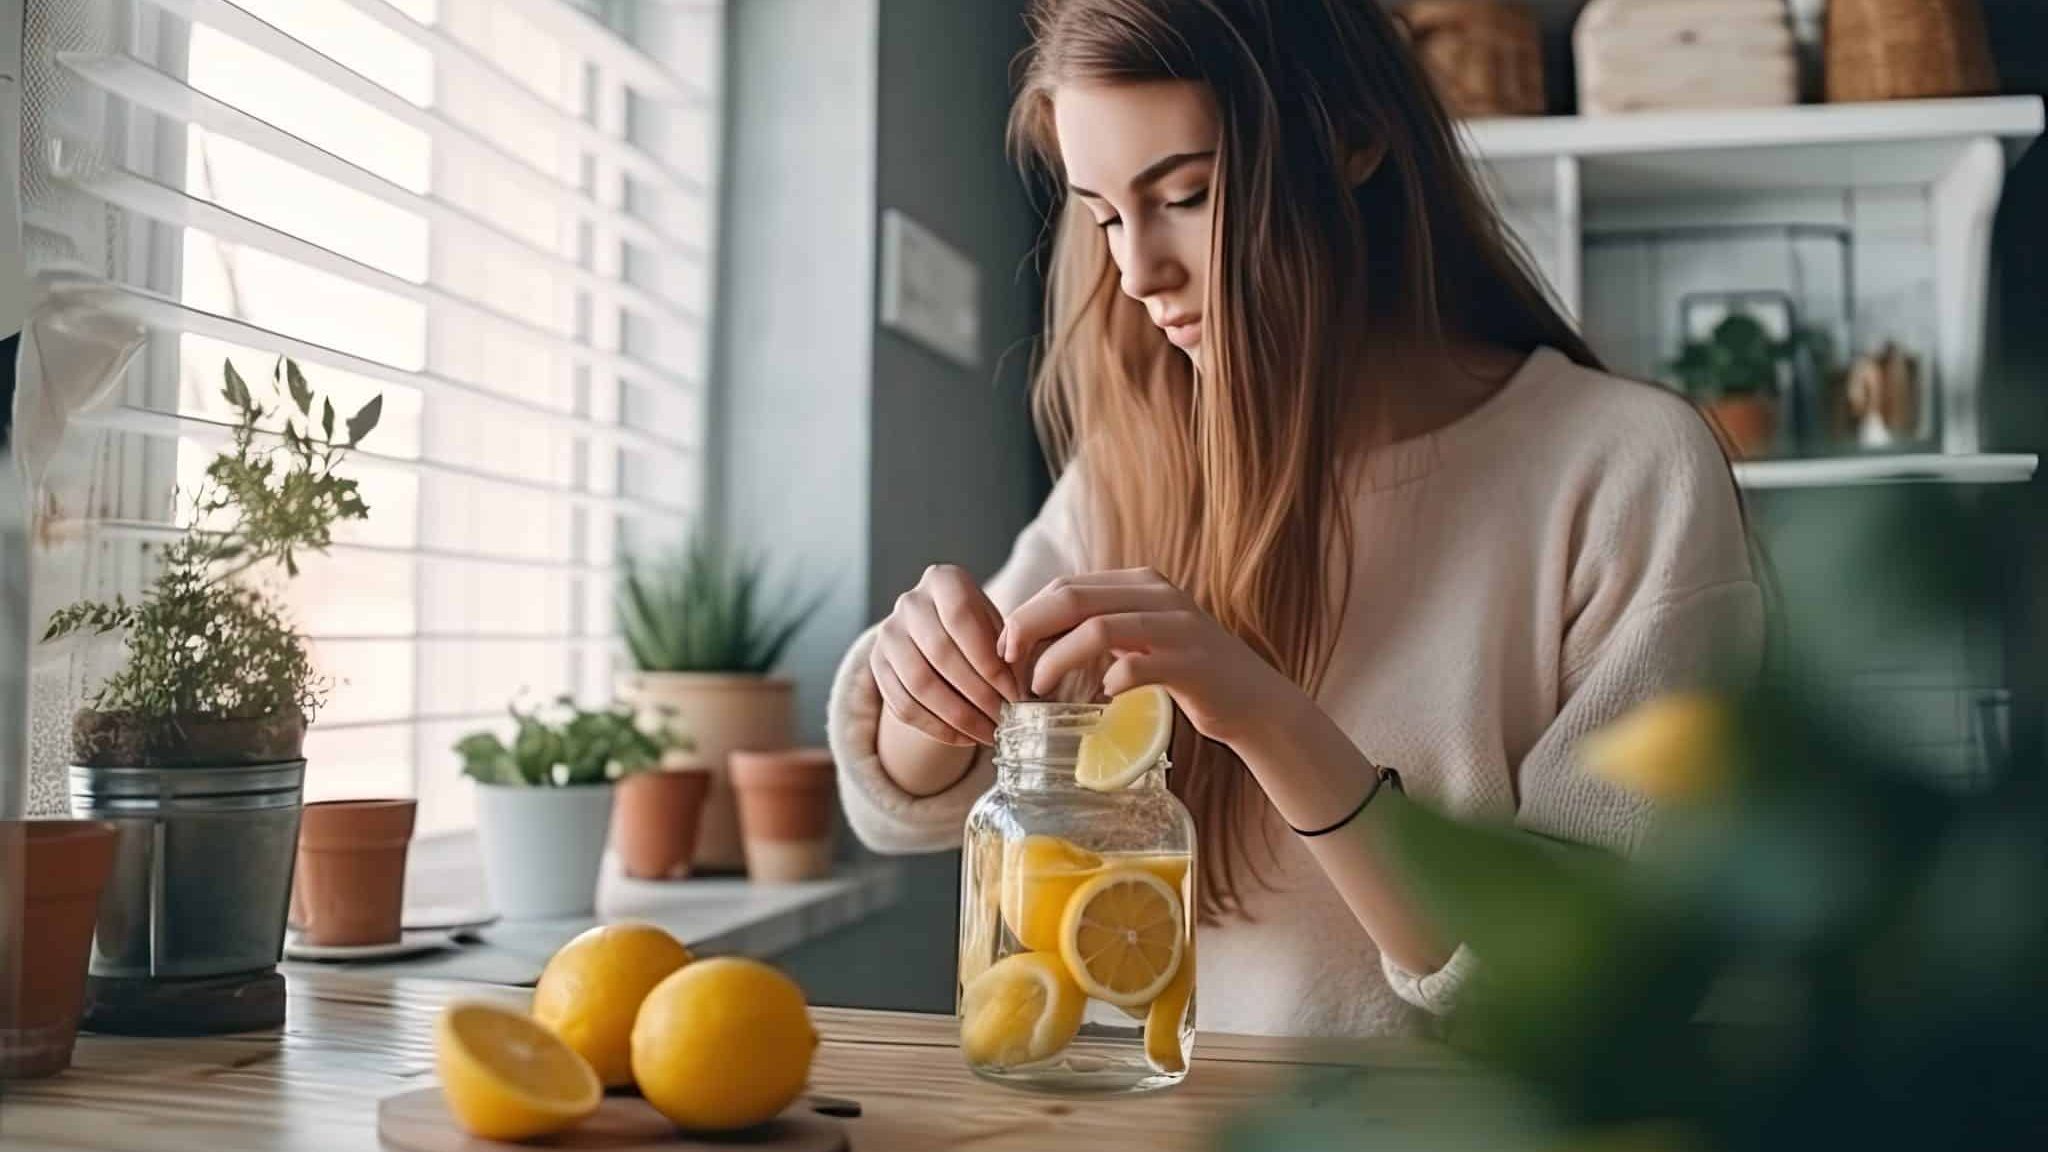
{"points": [[935, 660]]}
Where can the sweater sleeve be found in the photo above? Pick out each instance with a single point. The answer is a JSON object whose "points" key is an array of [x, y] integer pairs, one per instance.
{"points": [[884, 816], [1662, 599]]}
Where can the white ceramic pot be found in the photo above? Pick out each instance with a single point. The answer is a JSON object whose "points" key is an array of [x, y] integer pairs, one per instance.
{"points": [[542, 848], [723, 713]]}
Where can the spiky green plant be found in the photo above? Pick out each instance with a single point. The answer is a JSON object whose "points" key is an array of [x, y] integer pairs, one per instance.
{"points": [[701, 611]]}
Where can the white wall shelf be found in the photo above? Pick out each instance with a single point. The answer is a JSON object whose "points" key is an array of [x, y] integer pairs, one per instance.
{"points": [[1913, 184], [1926, 468], [1810, 146]]}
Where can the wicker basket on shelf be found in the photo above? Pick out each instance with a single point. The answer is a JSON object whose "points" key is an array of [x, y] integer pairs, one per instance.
{"points": [[1907, 50], [1485, 57]]}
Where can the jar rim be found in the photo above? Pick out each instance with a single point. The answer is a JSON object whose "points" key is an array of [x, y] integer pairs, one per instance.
{"points": [[1039, 736]]}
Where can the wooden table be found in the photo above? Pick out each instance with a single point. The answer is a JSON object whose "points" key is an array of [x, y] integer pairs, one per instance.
{"points": [[351, 1040]]}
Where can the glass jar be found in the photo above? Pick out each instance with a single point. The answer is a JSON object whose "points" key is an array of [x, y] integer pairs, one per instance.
{"points": [[1077, 946]]}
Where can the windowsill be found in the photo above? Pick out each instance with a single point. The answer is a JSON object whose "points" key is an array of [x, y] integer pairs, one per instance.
{"points": [[714, 916]]}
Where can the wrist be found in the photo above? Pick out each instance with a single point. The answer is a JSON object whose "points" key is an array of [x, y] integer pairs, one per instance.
{"points": [[1307, 766]]}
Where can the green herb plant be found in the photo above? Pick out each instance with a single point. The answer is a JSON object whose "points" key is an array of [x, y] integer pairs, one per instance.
{"points": [[566, 747], [1739, 359], [201, 641], [700, 612]]}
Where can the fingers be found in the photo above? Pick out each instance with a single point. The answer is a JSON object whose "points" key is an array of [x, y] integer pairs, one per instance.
{"points": [[945, 657], [972, 622], [1095, 640], [908, 709], [1068, 602], [1134, 670]]}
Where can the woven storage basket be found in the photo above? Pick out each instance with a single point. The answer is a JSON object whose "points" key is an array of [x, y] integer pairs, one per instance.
{"points": [[1907, 49], [1485, 57]]}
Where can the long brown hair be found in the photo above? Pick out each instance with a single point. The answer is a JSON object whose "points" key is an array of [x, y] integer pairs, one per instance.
{"points": [[1232, 485]]}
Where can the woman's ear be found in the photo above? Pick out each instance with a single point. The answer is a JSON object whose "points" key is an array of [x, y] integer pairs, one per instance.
{"points": [[1362, 161]]}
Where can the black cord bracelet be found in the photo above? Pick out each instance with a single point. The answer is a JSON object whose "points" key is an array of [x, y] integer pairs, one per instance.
{"points": [[1388, 778]]}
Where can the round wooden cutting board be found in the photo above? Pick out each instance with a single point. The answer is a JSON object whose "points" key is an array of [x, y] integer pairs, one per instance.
{"points": [[420, 1122]]}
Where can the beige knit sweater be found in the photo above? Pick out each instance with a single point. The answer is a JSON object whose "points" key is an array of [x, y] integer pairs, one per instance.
{"points": [[1571, 548]]}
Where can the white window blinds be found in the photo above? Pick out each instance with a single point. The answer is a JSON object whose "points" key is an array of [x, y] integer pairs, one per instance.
{"points": [[498, 214]]}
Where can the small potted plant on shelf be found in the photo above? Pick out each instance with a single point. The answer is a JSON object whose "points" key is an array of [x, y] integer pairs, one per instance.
{"points": [[192, 748], [1733, 374], [544, 802], [703, 647]]}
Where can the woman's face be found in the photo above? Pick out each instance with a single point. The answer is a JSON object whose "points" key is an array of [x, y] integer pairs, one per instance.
{"points": [[1140, 160]]}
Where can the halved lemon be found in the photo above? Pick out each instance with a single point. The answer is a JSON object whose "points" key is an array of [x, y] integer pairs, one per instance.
{"points": [[1024, 1009], [1040, 874], [1121, 937], [505, 1076], [1134, 732]]}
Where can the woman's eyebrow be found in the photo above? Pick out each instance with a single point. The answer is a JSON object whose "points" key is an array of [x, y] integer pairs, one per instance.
{"points": [[1152, 171]]}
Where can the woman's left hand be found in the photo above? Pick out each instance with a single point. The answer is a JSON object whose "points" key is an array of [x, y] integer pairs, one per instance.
{"points": [[1150, 632]]}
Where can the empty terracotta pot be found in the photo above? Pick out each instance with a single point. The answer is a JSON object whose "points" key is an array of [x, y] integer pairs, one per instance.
{"points": [[349, 888], [52, 871], [787, 801], [655, 821]]}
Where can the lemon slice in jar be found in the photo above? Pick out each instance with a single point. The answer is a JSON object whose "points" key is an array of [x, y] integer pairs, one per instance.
{"points": [[1132, 735], [1122, 936], [1040, 874], [1023, 1009], [1163, 1019]]}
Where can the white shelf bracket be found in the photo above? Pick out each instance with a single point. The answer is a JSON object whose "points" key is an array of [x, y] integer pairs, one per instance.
{"points": [[1964, 203], [1571, 251]]}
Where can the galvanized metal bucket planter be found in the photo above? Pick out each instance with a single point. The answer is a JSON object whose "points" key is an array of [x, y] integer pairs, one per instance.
{"points": [[202, 868], [192, 922]]}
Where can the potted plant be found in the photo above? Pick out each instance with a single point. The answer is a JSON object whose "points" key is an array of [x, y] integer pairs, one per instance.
{"points": [[702, 646], [544, 802], [1734, 376], [192, 748]]}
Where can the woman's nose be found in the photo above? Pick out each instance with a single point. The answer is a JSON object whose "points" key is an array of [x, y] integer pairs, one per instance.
{"points": [[1150, 267]]}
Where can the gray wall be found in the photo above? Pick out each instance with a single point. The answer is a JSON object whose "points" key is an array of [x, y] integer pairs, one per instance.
{"points": [[955, 470], [847, 444], [792, 393]]}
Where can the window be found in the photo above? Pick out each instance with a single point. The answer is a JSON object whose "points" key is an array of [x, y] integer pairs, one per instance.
{"points": [[496, 213]]}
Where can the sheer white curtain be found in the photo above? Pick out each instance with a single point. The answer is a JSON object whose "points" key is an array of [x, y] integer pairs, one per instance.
{"points": [[496, 213]]}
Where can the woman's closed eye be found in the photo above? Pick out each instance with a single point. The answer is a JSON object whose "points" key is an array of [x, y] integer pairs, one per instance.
{"points": [[1185, 203]]}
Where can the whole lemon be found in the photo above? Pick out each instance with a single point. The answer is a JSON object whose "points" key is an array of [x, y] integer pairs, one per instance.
{"points": [[591, 990], [723, 1044]]}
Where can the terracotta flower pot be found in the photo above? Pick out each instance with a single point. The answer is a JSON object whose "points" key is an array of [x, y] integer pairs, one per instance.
{"points": [[787, 801], [349, 887], [61, 866], [722, 713], [1748, 424], [655, 821]]}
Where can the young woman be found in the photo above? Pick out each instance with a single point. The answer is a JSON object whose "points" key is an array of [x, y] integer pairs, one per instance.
{"points": [[1336, 474]]}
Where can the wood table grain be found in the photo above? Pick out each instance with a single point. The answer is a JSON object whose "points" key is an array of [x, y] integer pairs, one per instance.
{"points": [[352, 1039]]}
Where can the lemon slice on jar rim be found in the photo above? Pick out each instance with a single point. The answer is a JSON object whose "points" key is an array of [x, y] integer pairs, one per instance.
{"points": [[1133, 735]]}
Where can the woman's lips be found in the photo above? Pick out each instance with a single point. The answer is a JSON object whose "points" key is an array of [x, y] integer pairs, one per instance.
{"points": [[1183, 331]]}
